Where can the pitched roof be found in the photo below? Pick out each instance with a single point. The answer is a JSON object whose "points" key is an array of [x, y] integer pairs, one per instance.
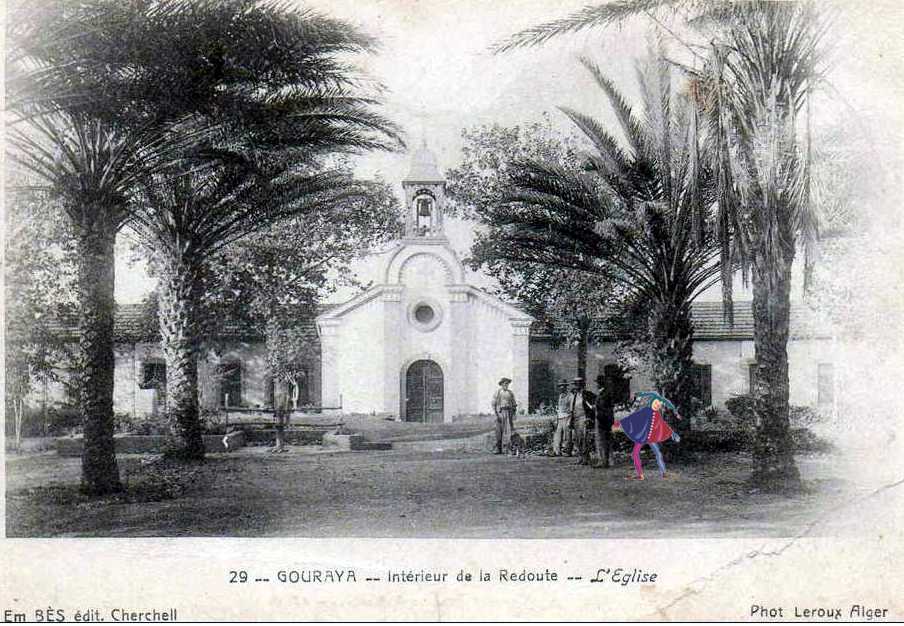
{"points": [[135, 323], [423, 167], [709, 324]]}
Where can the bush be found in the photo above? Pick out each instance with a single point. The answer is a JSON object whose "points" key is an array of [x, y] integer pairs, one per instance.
{"points": [[804, 416], [213, 422], [126, 423], [741, 407]]}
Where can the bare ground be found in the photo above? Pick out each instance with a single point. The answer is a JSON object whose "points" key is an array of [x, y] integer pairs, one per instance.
{"points": [[435, 488]]}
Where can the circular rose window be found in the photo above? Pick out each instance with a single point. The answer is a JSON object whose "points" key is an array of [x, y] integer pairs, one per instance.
{"points": [[424, 313]]}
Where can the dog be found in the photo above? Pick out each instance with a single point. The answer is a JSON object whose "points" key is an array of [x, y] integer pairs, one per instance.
{"points": [[517, 447]]}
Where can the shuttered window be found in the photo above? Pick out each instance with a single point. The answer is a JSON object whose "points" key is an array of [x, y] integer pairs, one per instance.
{"points": [[703, 383]]}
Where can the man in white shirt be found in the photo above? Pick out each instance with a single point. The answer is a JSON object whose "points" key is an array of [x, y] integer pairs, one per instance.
{"points": [[504, 406], [561, 441]]}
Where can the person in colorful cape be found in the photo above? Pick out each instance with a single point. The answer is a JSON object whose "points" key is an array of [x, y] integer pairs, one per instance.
{"points": [[646, 426]]}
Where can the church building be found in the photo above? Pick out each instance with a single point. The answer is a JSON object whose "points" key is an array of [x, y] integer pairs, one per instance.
{"points": [[423, 345]]}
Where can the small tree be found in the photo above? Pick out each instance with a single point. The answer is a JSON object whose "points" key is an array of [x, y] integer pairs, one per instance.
{"points": [[272, 283], [39, 275]]}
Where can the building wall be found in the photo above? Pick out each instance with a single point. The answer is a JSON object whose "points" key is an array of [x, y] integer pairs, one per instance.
{"points": [[372, 341], [130, 359], [424, 280], [488, 342], [730, 361], [491, 356], [359, 385]]}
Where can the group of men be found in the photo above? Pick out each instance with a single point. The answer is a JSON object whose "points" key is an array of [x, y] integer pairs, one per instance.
{"points": [[582, 418]]}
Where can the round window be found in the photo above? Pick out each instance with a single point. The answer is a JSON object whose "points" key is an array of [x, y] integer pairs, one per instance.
{"points": [[424, 313]]}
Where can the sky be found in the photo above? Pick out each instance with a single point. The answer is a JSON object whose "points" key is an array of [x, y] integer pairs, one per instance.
{"points": [[438, 76]]}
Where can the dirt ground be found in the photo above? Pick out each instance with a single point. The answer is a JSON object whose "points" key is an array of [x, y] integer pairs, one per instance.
{"points": [[430, 487]]}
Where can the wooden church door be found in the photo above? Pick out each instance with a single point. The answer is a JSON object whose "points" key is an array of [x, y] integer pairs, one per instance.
{"points": [[424, 392]]}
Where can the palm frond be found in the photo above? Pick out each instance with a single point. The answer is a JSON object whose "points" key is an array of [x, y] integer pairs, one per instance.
{"points": [[637, 139], [592, 16]]}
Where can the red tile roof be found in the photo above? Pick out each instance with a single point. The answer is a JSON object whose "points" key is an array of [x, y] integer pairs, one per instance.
{"points": [[710, 324]]}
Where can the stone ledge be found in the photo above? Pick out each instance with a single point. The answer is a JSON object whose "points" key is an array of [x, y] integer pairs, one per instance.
{"points": [[149, 444], [354, 442], [343, 442]]}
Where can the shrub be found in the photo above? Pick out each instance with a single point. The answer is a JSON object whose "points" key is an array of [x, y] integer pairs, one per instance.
{"points": [[213, 422], [741, 407], [804, 415], [63, 420], [149, 426]]}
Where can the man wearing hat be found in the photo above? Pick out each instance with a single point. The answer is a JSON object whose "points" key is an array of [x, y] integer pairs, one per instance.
{"points": [[582, 402], [504, 407], [561, 441], [604, 410]]}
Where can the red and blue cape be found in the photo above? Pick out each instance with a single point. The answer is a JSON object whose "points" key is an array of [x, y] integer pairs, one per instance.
{"points": [[645, 426]]}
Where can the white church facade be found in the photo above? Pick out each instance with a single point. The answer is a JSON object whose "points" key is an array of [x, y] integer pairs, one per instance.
{"points": [[423, 345]]}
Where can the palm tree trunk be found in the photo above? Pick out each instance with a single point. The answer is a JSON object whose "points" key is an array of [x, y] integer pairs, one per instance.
{"points": [[673, 357], [773, 453], [178, 332], [96, 273], [583, 336]]}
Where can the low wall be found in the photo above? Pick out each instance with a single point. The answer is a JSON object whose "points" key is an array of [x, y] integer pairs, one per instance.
{"points": [[294, 436], [149, 444], [354, 442]]}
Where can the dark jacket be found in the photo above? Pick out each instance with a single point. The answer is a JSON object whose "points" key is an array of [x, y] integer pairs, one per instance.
{"points": [[605, 409]]}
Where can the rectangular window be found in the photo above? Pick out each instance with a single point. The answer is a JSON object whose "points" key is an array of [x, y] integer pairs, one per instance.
{"points": [[825, 383], [542, 385], [153, 375], [751, 372], [230, 377], [702, 375]]}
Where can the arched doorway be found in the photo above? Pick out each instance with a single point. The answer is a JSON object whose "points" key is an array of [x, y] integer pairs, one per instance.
{"points": [[424, 392]]}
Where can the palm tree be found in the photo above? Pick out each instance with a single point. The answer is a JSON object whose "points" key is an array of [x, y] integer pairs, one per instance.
{"points": [[280, 127], [637, 215], [91, 165], [184, 219], [88, 125], [106, 95], [759, 68]]}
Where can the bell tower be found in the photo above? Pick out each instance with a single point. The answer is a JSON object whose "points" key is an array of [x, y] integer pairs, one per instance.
{"points": [[425, 194]]}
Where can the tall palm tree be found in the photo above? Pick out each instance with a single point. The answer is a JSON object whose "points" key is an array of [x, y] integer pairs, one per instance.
{"points": [[280, 127], [760, 65], [105, 94], [637, 214], [88, 119], [91, 166]]}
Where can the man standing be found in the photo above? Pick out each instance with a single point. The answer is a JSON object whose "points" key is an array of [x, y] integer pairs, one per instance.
{"points": [[504, 407], [561, 441], [582, 413], [604, 409]]}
